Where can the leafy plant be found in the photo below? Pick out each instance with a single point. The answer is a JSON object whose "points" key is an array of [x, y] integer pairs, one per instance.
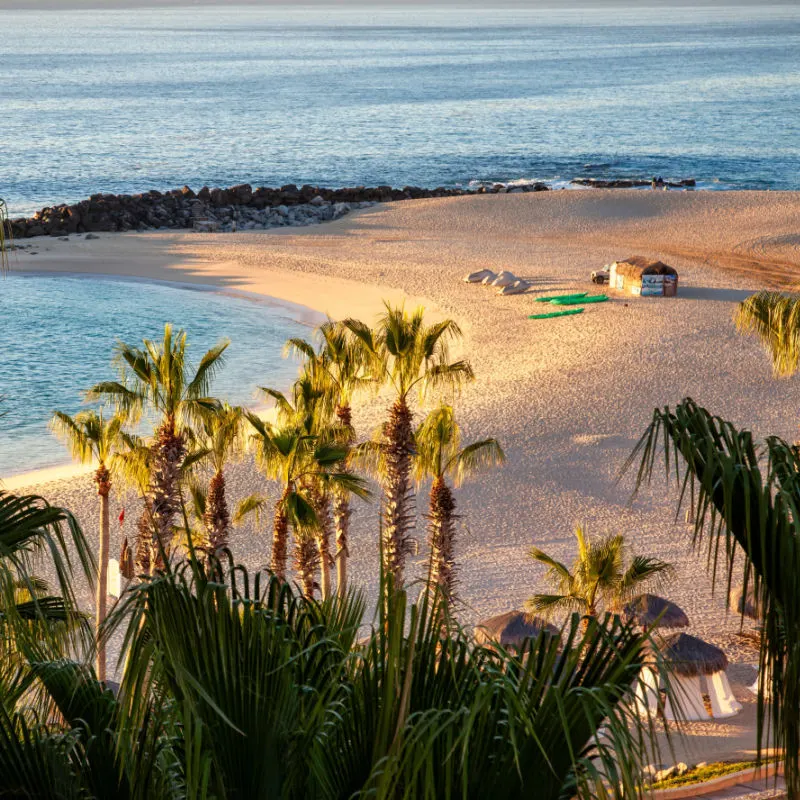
{"points": [[598, 580], [745, 499]]}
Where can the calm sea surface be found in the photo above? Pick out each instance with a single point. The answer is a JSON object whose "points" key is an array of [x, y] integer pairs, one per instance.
{"points": [[127, 101], [58, 334]]}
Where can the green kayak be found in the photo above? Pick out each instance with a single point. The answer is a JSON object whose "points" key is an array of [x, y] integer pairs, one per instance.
{"points": [[560, 297], [574, 301], [566, 313]]}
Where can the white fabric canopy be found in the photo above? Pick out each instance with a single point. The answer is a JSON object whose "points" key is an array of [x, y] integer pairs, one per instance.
{"points": [[687, 697], [723, 703], [646, 694]]}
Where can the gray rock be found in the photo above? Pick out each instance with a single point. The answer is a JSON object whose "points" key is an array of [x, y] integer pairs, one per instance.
{"points": [[91, 236], [681, 768], [318, 201], [664, 774]]}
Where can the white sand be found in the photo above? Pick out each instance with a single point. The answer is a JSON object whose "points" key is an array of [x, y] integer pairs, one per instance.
{"points": [[568, 398]]}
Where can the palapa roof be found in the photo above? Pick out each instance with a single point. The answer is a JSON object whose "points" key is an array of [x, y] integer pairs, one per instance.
{"points": [[650, 609], [512, 628], [747, 605], [636, 266], [689, 656]]}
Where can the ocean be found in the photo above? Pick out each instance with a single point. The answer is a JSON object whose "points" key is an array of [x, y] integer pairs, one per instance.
{"points": [[126, 101]]}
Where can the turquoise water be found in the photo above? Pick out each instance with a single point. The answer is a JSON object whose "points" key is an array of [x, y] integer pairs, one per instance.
{"points": [[58, 333], [124, 101]]}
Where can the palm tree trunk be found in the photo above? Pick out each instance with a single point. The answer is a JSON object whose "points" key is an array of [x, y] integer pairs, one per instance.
{"points": [[342, 510], [170, 451], [398, 447], [442, 538], [217, 518], [322, 505], [144, 540], [307, 561], [280, 537], [103, 479]]}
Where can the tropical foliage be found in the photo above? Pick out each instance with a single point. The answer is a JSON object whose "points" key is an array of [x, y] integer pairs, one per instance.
{"points": [[273, 695], [409, 356], [92, 438], [775, 319], [438, 456], [745, 498], [599, 579], [157, 379]]}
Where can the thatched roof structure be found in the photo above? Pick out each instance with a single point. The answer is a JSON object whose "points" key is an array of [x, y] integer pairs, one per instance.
{"points": [[689, 656], [747, 605], [636, 266], [650, 609], [512, 628]]}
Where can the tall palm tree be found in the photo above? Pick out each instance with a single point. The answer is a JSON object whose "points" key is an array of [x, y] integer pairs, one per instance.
{"points": [[221, 435], [599, 579], [410, 356], [439, 455], [5, 236], [91, 437], [338, 368], [157, 378], [297, 460], [306, 412], [745, 499], [775, 319]]}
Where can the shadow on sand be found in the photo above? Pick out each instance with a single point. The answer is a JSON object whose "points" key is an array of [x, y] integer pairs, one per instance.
{"points": [[720, 295]]}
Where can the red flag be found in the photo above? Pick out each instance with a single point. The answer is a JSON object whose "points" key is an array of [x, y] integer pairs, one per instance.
{"points": [[122, 516]]}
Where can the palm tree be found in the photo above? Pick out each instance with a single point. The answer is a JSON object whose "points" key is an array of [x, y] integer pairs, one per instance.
{"points": [[221, 436], [598, 580], [5, 236], [775, 319], [297, 460], [306, 412], [408, 355], [90, 437], [439, 454], [337, 367], [745, 500], [157, 378]]}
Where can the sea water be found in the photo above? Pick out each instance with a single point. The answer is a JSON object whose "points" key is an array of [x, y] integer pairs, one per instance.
{"points": [[129, 100], [58, 334]]}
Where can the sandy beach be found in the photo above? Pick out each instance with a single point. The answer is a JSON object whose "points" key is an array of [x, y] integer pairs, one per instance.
{"points": [[568, 398]]}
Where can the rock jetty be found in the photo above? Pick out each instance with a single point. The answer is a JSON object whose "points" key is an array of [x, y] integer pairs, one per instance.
{"points": [[236, 208], [625, 183]]}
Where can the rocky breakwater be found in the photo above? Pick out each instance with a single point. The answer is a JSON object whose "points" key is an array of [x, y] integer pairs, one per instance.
{"points": [[236, 208]]}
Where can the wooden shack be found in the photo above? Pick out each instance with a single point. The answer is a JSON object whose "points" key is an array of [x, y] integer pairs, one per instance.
{"points": [[641, 276]]}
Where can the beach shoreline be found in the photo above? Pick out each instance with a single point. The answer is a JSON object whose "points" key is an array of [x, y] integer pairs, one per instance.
{"points": [[568, 399]]}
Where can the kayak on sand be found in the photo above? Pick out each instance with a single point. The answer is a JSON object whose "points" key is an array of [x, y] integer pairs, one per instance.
{"points": [[567, 312]]}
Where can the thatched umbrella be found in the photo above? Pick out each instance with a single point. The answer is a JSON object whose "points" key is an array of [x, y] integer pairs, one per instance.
{"points": [[647, 610], [512, 628], [690, 657], [746, 604]]}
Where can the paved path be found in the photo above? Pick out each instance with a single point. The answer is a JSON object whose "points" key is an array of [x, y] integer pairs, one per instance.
{"points": [[764, 789]]}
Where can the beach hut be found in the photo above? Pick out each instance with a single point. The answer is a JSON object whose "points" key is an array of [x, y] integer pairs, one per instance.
{"points": [[512, 628], [697, 668], [648, 610], [641, 276]]}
